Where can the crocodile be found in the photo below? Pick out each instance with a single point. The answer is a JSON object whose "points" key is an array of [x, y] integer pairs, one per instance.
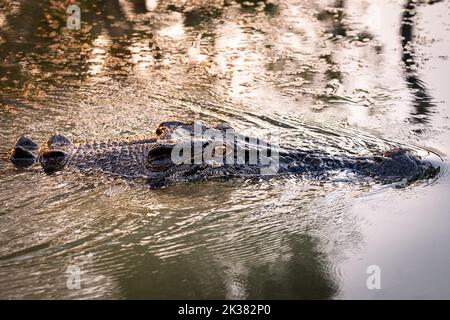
{"points": [[196, 151]]}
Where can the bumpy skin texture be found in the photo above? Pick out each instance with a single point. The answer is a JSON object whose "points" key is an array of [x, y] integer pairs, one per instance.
{"points": [[207, 156]]}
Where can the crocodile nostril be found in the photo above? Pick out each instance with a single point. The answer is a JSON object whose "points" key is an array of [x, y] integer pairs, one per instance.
{"points": [[53, 160], [21, 157], [26, 143]]}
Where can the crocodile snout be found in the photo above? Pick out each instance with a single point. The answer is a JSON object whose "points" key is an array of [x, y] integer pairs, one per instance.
{"points": [[24, 153], [55, 154], [53, 160]]}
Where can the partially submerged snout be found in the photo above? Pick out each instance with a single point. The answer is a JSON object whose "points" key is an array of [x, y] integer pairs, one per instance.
{"points": [[53, 156], [24, 154]]}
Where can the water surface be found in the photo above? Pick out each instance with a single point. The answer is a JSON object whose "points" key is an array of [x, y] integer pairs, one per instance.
{"points": [[343, 76]]}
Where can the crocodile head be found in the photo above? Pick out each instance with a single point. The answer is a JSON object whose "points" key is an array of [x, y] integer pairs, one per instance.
{"points": [[180, 144], [196, 151], [176, 152]]}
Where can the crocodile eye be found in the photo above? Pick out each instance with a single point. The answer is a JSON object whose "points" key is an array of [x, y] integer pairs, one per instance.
{"points": [[222, 150], [159, 157], [160, 130]]}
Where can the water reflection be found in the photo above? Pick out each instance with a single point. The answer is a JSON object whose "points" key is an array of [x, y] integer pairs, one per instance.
{"points": [[423, 102], [275, 280]]}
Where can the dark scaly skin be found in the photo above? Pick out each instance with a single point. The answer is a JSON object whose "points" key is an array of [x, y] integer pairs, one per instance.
{"points": [[124, 158], [150, 158]]}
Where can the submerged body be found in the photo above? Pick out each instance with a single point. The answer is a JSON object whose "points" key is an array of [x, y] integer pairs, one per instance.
{"points": [[195, 151]]}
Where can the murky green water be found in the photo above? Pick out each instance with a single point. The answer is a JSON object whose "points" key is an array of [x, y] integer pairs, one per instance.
{"points": [[343, 76]]}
